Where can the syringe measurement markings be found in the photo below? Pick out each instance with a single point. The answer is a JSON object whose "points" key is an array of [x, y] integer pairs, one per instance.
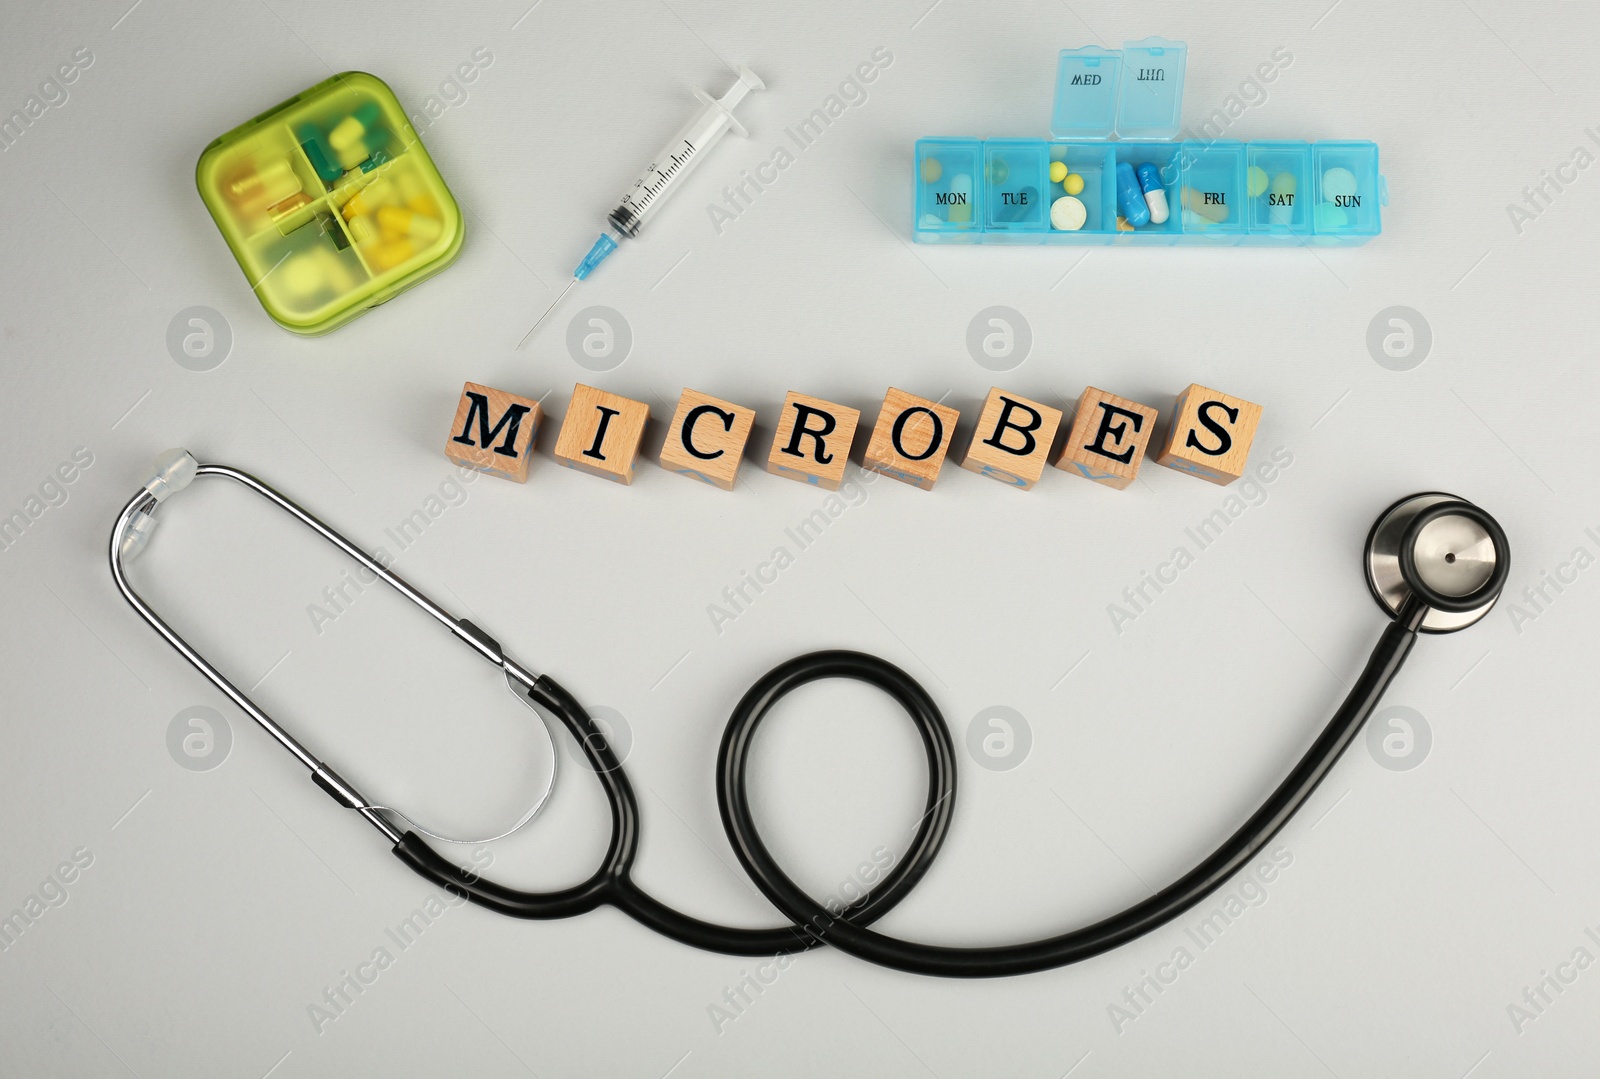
{"points": [[666, 174]]}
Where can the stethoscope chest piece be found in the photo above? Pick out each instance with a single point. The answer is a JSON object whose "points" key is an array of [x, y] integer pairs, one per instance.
{"points": [[1442, 548]]}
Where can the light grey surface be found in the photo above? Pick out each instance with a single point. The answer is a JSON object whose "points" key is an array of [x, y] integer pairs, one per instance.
{"points": [[1419, 904]]}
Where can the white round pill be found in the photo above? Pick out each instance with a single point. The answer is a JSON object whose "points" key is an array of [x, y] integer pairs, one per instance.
{"points": [[1068, 214], [1338, 184]]}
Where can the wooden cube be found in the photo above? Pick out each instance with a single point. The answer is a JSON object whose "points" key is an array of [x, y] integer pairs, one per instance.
{"points": [[494, 432], [600, 433], [813, 441], [1108, 438], [911, 438], [1013, 439], [1210, 434], [706, 439]]}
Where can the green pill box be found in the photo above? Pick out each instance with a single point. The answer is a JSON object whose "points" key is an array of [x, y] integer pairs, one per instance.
{"points": [[330, 203]]}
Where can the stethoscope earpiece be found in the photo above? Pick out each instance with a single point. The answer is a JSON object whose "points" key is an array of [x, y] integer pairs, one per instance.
{"points": [[1445, 551]]}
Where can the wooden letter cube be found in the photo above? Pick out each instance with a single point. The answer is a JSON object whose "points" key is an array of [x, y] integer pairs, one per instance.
{"points": [[706, 439], [813, 441], [494, 432], [1210, 435], [911, 438], [600, 433], [1108, 438], [1012, 442]]}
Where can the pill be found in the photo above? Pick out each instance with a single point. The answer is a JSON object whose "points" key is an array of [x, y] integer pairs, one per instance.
{"points": [[1155, 196], [386, 256], [1328, 216], [931, 221], [375, 159], [280, 210], [1068, 214], [1058, 171], [1282, 198], [998, 171], [362, 230], [960, 207], [1338, 184], [1073, 184], [1130, 196], [931, 170], [311, 142], [1196, 201], [346, 133], [423, 204], [368, 199], [1255, 181], [397, 221], [349, 131], [1123, 226], [270, 174], [351, 155], [312, 271]]}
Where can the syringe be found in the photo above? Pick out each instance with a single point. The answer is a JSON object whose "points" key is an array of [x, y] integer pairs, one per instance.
{"points": [[662, 176]]}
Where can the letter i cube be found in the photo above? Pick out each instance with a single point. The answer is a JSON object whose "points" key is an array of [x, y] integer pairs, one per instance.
{"points": [[494, 432], [1210, 434], [600, 433]]}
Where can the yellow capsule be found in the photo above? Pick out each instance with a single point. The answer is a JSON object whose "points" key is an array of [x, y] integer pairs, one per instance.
{"points": [[424, 205], [368, 199], [397, 221], [387, 256], [352, 155], [346, 133], [1123, 226], [362, 230], [931, 170]]}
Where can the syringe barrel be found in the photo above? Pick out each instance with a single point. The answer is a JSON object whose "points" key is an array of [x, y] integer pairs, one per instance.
{"points": [[679, 157]]}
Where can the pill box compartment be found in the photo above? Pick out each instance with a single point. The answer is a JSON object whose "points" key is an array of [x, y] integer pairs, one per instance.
{"points": [[949, 179], [276, 187], [1211, 189], [1347, 189], [1278, 189], [1094, 163], [1168, 159], [1016, 182]]}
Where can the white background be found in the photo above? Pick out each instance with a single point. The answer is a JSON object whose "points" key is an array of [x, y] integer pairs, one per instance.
{"points": [[1419, 904]]}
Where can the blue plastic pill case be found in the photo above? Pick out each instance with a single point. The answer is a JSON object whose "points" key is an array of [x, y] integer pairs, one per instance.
{"points": [[1125, 105]]}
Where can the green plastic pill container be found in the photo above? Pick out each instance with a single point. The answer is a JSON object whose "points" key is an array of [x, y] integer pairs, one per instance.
{"points": [[330, 203]]}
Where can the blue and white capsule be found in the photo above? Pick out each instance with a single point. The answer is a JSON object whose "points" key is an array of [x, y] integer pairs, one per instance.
{"points": [[1155, 196]]}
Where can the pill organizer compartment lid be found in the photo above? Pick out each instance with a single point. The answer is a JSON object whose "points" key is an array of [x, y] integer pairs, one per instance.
{"points": [[1150, 103], [1135, 92], [1086, 93]]}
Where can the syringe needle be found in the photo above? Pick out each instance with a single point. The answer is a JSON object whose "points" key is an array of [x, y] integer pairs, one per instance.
{"points": [[546, 314]]}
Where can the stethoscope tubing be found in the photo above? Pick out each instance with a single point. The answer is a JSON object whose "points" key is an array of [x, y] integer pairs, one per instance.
{"points": [[811, 924]]}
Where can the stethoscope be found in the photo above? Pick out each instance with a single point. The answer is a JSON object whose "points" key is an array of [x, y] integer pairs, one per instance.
{"points": [[1434, 563]]}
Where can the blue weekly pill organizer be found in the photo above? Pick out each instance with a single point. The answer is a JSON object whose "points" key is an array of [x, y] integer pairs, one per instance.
{"points": [[1117, 173]]}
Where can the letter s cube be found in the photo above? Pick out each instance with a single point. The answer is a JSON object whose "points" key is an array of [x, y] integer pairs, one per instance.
{"points": [[1210, 434]]}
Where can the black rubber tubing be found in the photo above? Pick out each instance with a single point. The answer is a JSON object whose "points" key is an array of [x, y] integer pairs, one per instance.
{"points": [[847, 929]]}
